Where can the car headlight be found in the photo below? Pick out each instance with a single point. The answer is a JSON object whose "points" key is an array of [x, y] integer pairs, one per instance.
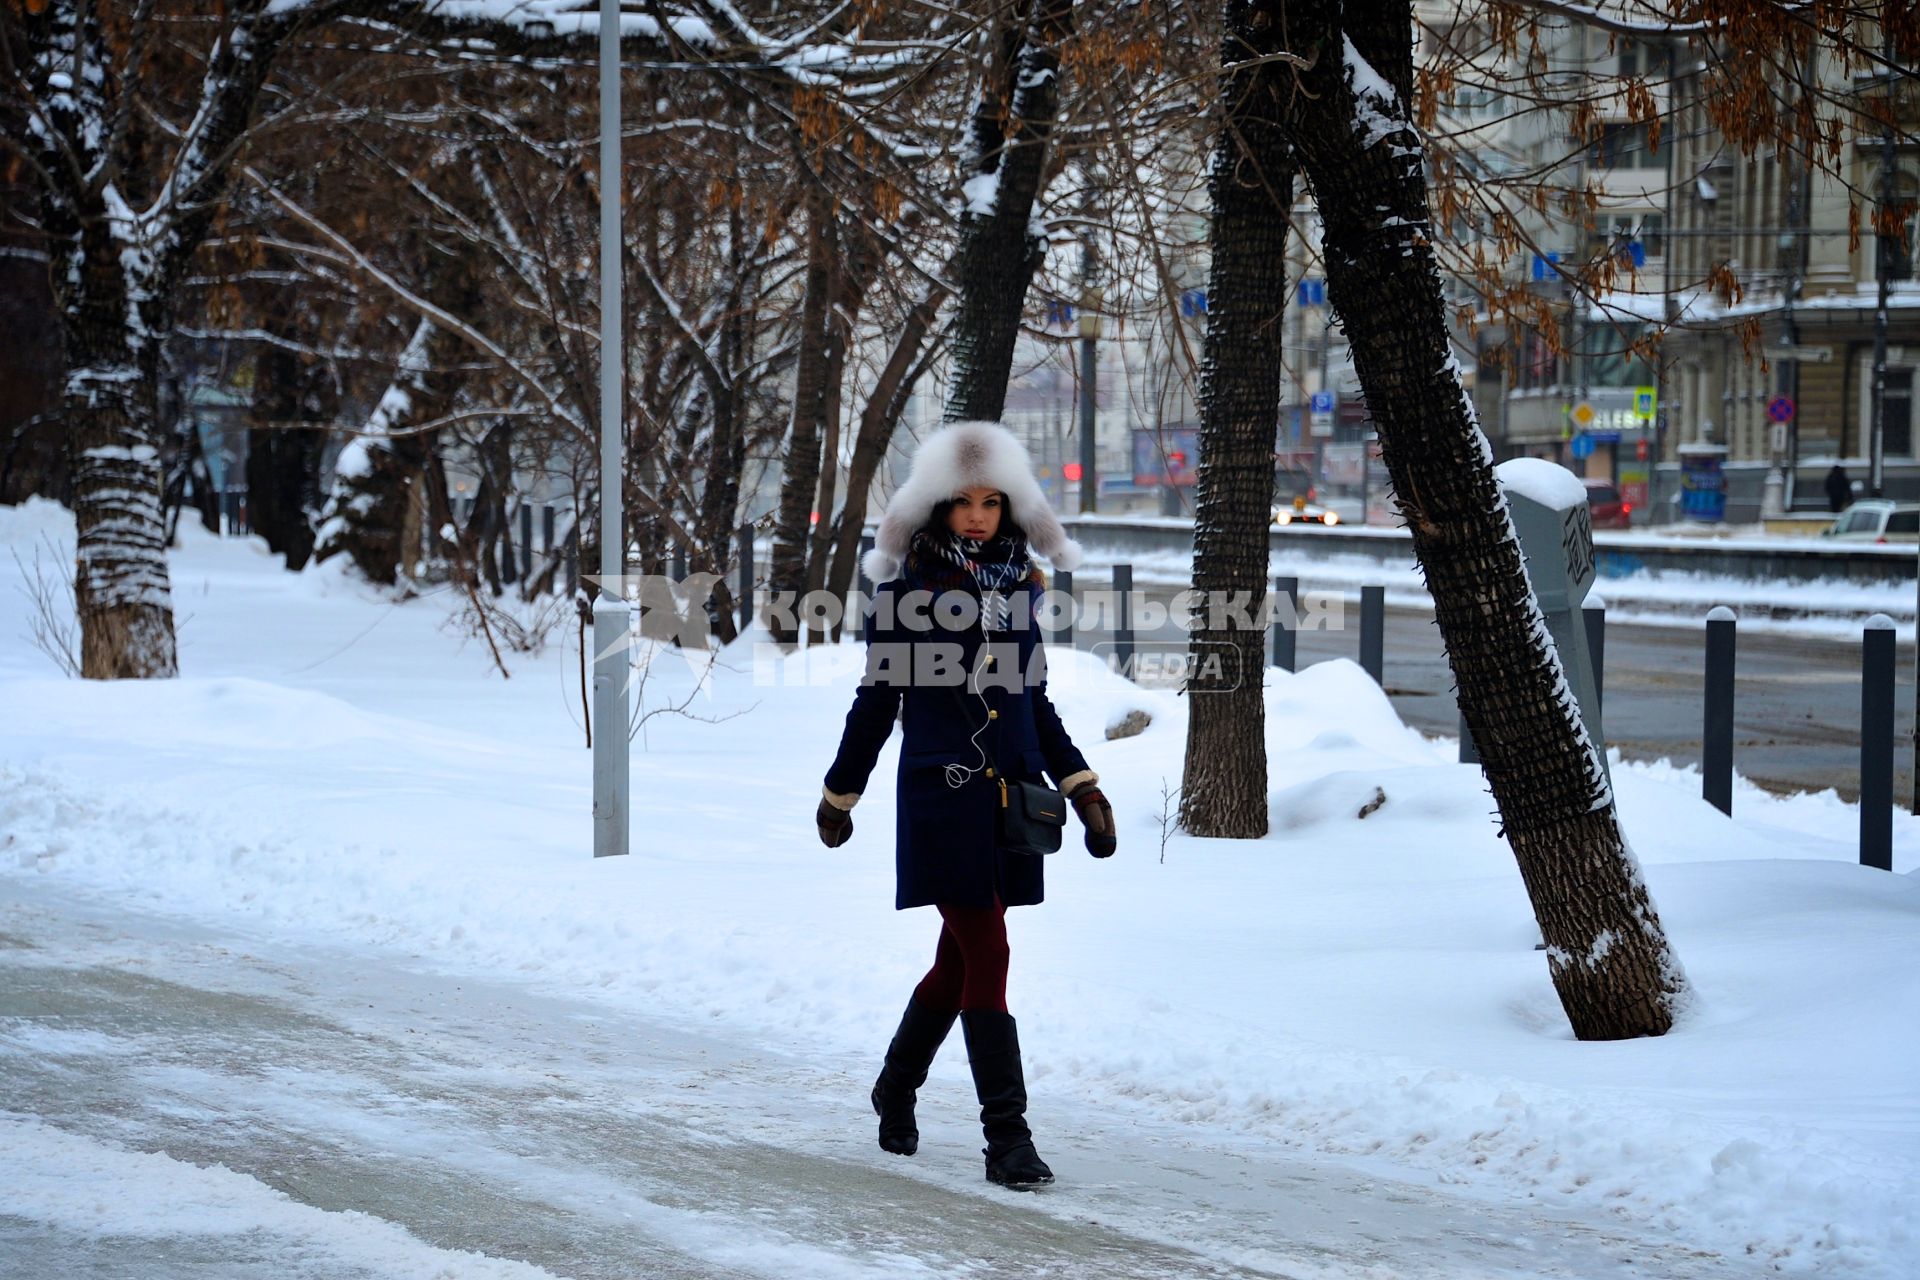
{"points": [[1285, 517], [1332, 517]]}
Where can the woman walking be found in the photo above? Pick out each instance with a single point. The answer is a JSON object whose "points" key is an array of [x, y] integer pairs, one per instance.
{"points": [[953, 652]]}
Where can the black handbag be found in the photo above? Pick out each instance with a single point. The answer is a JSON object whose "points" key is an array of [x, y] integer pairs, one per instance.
{"points": [[1031, 817]]}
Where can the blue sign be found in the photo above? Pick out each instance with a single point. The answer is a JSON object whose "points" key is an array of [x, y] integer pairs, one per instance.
{"points": [[1059, 312], [1193, 302], [1581, 446], [1604, 437], [1323, 402], [1313, 292], [1543, 268]]}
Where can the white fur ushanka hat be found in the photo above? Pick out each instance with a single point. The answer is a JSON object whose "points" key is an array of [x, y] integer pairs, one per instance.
{"points": [[961, 455]]}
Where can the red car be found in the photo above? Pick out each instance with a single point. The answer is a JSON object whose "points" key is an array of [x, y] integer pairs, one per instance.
{"points": [[1604, 506]]}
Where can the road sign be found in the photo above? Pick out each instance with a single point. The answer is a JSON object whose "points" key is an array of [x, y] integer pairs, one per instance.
{"points": [[1582, 446], [1583, 414], [1323, 402], [1646, 403], [1313, 292], [1780, 409]]}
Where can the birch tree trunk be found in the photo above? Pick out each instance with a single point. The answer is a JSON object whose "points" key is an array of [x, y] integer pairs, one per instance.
{"points": [[1224, 790], [1609, 958]]}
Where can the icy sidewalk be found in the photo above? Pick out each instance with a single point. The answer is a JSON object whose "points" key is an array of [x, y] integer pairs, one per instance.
{"points": [[184, 1102]]}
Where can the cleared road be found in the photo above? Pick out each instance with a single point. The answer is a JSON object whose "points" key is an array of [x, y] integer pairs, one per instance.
{"points": [[1796, 703]]}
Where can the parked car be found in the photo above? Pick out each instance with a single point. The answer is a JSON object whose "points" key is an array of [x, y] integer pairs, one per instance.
{"points": [[1876, 520], [1604, 506], [1300, 511]]}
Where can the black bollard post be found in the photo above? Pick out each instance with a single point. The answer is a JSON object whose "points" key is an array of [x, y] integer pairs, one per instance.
{"points": [[865, 586], [1716, 743], [1123, 618], [746, 576], [1373, 632], [679, 563], [546, 528], [1063, 583], [1286, 623], [1595, 616], [1876, 743], [1469, 753], [526, 541]]}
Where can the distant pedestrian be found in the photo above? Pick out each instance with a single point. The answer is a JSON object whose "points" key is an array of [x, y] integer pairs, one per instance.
{"points": [[1839, 488], [952, 611]]}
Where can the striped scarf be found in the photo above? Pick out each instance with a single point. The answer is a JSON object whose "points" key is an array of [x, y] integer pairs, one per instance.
{"points": [[991, 569]]}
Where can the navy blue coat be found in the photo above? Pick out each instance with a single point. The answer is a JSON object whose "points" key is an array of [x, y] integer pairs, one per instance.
{"points": [[945, 844]]}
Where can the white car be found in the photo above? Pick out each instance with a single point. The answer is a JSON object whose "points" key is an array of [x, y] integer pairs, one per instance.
{"points": [[1876, 520]]}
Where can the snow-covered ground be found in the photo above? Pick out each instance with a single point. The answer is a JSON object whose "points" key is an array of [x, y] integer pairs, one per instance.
{"points": [[334, 770]]}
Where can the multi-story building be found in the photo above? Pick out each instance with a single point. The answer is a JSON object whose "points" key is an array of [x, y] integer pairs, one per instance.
{"points": [[1768, 303]]}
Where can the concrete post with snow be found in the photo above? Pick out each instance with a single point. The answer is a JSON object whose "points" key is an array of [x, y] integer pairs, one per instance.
{"points": [[1549, 505]]}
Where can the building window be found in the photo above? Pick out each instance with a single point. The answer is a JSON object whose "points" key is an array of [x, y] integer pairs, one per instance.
{"points": [[1621, 146], [1897, 406], [1900, 253]]}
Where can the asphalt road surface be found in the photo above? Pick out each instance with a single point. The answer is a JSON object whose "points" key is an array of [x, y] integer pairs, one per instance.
{"points": [[1796, 700]]}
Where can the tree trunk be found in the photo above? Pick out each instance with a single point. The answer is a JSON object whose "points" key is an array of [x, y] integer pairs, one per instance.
{"points": [[121, 587], [801, 471], [293, 403], [1224, 790], [877, 423], [377, 487], [1608, 956], [998, 251]]}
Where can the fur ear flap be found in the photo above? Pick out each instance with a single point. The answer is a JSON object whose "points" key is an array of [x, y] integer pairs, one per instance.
{"points": [[879, 566]]}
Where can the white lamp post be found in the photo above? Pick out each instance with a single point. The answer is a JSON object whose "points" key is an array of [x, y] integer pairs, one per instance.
{"points": [[611, 780]]}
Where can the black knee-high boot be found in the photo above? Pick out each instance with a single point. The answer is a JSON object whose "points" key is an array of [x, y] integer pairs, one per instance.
{"points": [[909, 1055], [993, 1049]]}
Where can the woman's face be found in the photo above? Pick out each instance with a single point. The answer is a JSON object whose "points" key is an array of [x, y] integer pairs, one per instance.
{"points": [[976, 512]]}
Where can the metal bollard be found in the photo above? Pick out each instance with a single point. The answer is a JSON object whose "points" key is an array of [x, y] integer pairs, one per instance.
{"points": [[746, 576], [1594, 614], [1286, 623], [1716, 742], [1876, 743], [1373, 632], [864, 585], [1123, 619], [526, 541], [1063, 583], [679, 563], [546, 528]]}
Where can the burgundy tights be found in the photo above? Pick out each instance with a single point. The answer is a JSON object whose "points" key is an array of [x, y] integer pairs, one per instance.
{"points": [[970, 965]]}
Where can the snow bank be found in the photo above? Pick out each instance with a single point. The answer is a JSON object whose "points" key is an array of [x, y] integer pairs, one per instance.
{"points": [[335, 767]]}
